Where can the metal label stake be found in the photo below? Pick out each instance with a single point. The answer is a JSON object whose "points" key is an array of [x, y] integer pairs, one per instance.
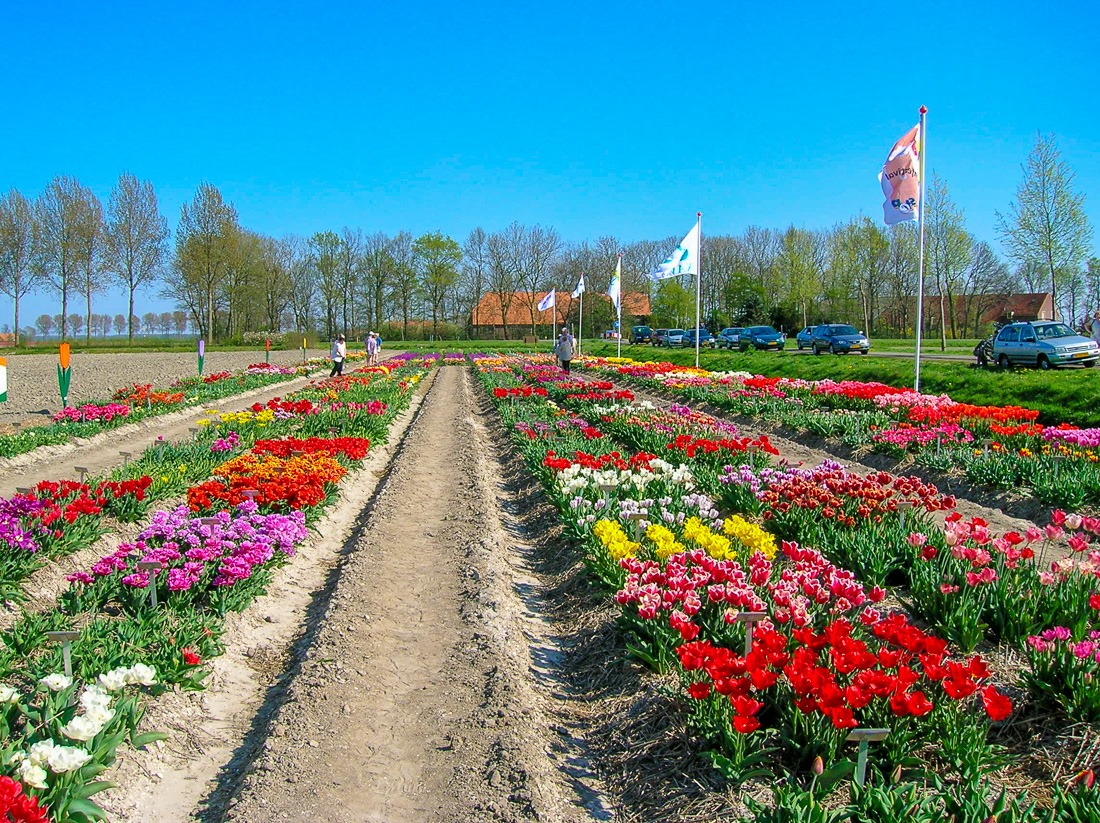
{"points": [[66, 639], [865, 737], [82, 471], [750, 619], [150, 566]]}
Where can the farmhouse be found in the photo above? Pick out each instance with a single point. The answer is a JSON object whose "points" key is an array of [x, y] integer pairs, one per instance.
{"points": [[969, 315], [519, 313]]}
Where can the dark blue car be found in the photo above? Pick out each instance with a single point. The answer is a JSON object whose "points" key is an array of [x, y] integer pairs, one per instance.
{"points": [[839, 338], [761, 338], [705, 339]]}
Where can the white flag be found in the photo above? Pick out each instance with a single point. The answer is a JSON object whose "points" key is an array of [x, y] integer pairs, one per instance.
{"points": [[614, 290], [548, 302], [685, 260], [577, 292]]}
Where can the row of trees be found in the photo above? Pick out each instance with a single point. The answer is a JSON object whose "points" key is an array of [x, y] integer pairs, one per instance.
{"points": [[228, 280], [103, 325]]}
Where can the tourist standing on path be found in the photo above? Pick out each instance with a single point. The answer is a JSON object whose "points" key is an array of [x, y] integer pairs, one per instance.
{"points": [[338, 354], [372, 350], [564, 348]]}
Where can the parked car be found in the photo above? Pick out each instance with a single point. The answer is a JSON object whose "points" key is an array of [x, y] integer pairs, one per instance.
{"points": [[839, 338], [728, 338], [640, 334], [761, 338], [610, 334], [1043, 343], [658, 337], [674, 338], [804, 338], [706, 339]]}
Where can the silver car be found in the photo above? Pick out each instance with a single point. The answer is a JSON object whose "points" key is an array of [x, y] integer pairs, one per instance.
{"points": [[1043, 343]]}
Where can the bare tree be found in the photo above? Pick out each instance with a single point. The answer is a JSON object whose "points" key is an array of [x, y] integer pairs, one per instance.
{"points": [[137, 236], [1047, 223], [404, 282], [202, 251], [436, 258], [91, 253], [350, 274], [120, 323], [60, 216], [474, 275], [948, 248], [502, 275], [17, 275]]}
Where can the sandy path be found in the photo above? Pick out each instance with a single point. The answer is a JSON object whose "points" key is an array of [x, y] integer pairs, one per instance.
{"points": [[416, 701]]}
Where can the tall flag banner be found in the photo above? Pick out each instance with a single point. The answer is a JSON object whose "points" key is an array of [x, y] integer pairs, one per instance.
{"points": [[614, 291], [3, 379], [900, 179], [577, 292], [548, 302], [685, 260]]}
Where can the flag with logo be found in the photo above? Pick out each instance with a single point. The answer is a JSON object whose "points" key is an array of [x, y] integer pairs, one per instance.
{"points": [[548, 302], [577, 292], [685, 260], [614, 291], [900, 181]]}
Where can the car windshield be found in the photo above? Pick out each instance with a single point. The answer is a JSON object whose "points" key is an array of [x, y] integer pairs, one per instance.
{"points": [[762, 330], [1048, 331], [843, 329], [672, 332]]}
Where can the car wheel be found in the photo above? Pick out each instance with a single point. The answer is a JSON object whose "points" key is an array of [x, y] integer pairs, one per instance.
{"points": [[816, 349], [1003, 362], [1044, 363], [832, 349], [1089, 365]]}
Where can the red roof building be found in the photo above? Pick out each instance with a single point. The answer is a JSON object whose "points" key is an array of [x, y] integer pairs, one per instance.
{"points": [[488, 316]]}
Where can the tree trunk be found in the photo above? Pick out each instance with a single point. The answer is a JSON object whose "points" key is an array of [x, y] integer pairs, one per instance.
{"points": [[16, 317], [130, 316]]}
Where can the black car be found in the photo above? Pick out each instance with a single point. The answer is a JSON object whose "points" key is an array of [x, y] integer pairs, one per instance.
{"points": [[839, 338], [658, 337], [728, 338], [640, 334], [762, 338]]}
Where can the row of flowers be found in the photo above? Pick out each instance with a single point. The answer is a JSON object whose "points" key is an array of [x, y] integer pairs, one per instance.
{"points": [[999, 445], [826, 654], [195, 562]]}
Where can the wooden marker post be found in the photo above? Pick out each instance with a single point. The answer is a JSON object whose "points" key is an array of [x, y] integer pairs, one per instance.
{"points": [[636, 519], [126, 457], [865, 737], [750, 619], [82, 471], [151, 566], [904, 506], [607, 488], [66, 639]]}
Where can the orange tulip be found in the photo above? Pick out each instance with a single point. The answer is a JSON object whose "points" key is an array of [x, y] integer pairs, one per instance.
{"points": [[64, 355]]}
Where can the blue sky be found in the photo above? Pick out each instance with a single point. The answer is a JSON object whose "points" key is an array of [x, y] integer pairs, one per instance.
{"points": [[607, 118]]}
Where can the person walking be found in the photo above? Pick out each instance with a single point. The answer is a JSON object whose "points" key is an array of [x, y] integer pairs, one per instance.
{"points": [[338, 354], [563, 349], [1096, 326], [372, 350]]}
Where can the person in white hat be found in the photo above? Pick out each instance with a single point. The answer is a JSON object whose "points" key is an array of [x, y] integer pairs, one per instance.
{"points": [[338, 355], [372, 349]]}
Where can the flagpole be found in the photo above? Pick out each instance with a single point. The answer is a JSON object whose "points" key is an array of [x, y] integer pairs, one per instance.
{"points": [[580, 320], [619, 306], [554, 308], [698, 282], [920, 262]]}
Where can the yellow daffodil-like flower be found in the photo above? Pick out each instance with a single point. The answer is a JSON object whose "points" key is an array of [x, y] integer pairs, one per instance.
{"points": [[183, 468], [203, 422], [751, 536], [610, 533], [664, 540], [713, 544]]}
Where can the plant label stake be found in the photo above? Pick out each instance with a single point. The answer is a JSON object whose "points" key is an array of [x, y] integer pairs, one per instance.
{"points": [[22, 490], [750, 619], [202, 354], [64, 373], [126, 457], [904, 506], [865, 737], [194, 431], [303, 350], [636, 518], [607, 488], [249, 494], [82, 471], [66, 640], [150, 566]]}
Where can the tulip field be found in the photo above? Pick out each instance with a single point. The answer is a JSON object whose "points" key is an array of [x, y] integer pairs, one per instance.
{"points": [[838, 642]]}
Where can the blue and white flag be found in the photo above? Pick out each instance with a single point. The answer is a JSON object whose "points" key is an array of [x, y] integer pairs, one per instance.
{"points": [[685, 260], [615, 289], [577, 292], [548, 302]]}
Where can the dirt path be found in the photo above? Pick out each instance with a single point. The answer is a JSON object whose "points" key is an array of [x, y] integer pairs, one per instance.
{"points": [[415, 701]]}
